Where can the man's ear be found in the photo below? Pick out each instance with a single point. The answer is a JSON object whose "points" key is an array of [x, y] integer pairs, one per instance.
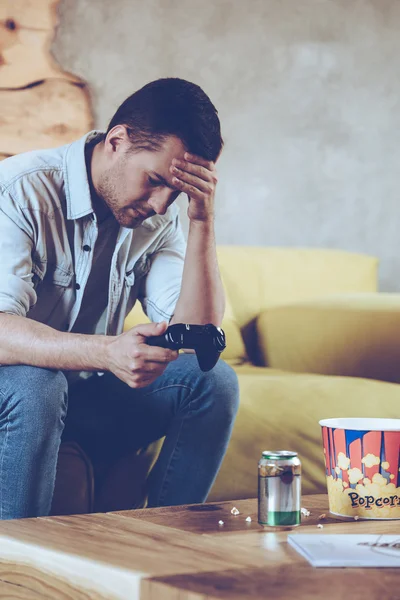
{"points": [[117, 139]]}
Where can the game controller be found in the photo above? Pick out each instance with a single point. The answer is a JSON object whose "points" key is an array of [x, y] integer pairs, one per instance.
{"points": [[207, 340]]}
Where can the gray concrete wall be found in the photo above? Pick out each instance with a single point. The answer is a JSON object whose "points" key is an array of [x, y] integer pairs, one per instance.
{"points": [[308, 93]]}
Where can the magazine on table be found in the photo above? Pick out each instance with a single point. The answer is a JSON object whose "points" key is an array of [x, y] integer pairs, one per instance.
{"points": [[347, 550]]}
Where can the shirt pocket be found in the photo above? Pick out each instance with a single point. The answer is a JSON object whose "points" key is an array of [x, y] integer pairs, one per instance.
{"points": [[132, 280], [53, 286]]}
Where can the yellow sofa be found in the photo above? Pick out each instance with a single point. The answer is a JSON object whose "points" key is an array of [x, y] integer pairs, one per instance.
{"points": [[309, 338]]}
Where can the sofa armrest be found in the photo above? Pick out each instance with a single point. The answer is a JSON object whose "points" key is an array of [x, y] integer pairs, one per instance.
{"points": [[354, 335]]}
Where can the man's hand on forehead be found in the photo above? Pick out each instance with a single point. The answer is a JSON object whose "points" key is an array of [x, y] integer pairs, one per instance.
{"points": [[197, 178]]}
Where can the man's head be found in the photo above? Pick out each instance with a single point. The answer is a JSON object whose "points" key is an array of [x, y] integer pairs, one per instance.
{"points": [[157, 123]]}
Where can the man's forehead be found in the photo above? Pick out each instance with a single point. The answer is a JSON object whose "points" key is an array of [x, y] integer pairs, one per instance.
{"points": [[173, 147]]}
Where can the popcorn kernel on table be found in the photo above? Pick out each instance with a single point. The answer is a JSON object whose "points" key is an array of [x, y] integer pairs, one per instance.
{"points": [[305, 512], [220, 522], [235, 511], [320, 526], [248, 520]]}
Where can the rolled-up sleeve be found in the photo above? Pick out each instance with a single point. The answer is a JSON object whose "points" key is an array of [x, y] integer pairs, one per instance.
{"points": [[17, 294], [160, 289]]}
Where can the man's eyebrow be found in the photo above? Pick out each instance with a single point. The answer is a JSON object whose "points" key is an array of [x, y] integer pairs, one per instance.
{"points": [[162, 180]]}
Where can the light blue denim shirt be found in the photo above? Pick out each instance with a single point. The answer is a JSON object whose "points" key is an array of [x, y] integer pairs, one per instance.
{"points": [[48, 230]]}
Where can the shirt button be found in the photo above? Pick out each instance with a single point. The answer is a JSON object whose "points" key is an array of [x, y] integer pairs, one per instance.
{"points": [[77, 286], [86, 248]]}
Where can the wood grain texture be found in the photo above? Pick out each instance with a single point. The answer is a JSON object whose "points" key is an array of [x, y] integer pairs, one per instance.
{"points": [[279, 583], [37, 14], [26, 32], [51, 114], [42, 106], [201, 518], [157, 590], [22, 581], [15, 592], [121, 542], [180, 553]]}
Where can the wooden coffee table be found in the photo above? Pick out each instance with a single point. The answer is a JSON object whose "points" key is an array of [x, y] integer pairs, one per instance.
{"points": [[179, 553]]}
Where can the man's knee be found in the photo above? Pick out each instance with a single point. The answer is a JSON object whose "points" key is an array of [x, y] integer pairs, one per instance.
{"points": [[223, 381], [219, 385], [37, 396]]}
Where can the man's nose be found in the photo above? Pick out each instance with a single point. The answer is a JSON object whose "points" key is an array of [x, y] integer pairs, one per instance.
{"points": [[159, 202]]}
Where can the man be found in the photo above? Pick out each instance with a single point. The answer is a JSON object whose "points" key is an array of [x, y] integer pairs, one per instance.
{"points": [[85, 230]]}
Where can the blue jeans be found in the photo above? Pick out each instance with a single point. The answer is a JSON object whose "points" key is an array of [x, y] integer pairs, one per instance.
{"points": [[194, 410]]}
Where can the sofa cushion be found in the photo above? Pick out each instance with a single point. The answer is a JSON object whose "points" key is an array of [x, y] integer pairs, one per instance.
{"points": [[259, 278], [281, 411], [353, 335]]}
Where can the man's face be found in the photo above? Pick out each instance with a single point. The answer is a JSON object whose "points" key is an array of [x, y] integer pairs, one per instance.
{"points": [[136, 186]]}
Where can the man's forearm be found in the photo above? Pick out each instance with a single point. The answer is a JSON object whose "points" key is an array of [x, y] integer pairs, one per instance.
{"points": [[202, 298], [27, 342]]}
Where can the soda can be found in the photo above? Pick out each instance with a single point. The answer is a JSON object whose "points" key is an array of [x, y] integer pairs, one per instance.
{"points": [[279, 489]]}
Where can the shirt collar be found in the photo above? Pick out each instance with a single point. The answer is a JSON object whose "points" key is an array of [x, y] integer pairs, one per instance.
{"points": [[77, 190]]}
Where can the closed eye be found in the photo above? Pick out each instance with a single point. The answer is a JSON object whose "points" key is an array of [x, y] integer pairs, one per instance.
{"points": [[161, 182], [154, 182]]}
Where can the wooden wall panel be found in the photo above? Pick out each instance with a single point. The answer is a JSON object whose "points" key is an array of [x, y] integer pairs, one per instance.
{"points": [[25, 57], [40, 14], [50, 114], [40, 105]]}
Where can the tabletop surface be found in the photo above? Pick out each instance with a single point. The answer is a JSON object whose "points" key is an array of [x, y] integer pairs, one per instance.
{"points": [[179, 553]]}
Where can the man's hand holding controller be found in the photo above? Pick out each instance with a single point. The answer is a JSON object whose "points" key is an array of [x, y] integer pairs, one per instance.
{"points": [[142, 354], [134, 361]]}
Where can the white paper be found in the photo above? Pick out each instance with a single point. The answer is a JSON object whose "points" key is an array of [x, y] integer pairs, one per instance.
{"points": [[347, 550]]}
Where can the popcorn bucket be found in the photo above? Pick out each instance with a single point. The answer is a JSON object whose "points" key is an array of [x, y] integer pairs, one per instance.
{"points": [[362, 467]]}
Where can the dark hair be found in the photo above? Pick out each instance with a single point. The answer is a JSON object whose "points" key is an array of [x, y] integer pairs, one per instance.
{"points": [[171, 106]]}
